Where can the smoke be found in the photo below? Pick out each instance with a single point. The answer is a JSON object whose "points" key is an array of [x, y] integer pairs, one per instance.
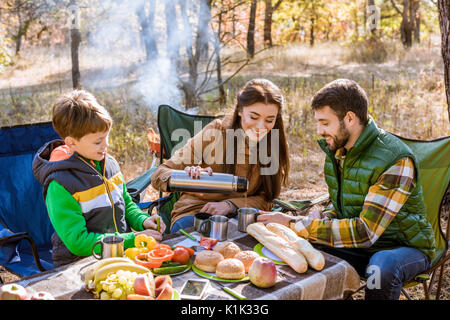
{"points": [[116, 41]]}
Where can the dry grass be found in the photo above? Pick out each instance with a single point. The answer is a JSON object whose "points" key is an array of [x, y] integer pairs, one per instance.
{"points": [[406, 94]]}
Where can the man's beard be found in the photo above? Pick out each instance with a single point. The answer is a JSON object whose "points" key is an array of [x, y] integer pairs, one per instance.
{"points": [[340, 139]]}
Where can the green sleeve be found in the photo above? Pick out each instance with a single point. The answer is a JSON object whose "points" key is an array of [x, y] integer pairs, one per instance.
{"points": [[133, 214], [68, 221]]}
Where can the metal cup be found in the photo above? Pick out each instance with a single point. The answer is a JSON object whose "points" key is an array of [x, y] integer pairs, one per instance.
{"points": [[215, 227], [246, 216], [198, 219], [111, 246]]}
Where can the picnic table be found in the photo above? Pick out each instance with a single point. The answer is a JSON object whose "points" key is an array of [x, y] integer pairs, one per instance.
{"points": [[337, 280]]}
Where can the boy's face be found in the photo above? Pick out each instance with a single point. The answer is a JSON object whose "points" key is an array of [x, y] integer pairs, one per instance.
{"points": [[92, 146]]}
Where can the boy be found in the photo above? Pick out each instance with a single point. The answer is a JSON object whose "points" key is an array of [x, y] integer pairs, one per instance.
{"points": [[81, 181]]}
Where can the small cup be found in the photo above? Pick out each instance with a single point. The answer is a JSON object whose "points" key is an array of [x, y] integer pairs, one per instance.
{"points": [[215, 227], [198, 219], [111, 246], [246, 216]]}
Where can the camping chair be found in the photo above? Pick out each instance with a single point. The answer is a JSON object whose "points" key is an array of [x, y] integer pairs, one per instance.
{"points": [[170, 119], [434, 165], [23, 215]]}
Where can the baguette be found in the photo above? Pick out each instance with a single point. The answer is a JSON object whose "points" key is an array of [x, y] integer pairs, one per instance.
{"points": [[315, 258], [283, 249]]}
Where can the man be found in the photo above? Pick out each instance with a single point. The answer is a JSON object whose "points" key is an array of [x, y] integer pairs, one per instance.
{"points": [[377, 219]]}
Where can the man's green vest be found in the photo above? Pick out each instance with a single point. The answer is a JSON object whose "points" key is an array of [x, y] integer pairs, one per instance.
{"points": [[374, 152]]}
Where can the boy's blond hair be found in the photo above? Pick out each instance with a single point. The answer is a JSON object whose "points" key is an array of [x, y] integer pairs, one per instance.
{"points": [[78, 113]]}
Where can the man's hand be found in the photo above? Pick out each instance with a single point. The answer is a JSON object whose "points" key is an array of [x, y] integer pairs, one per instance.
{"points": [[151, 223], [277, 217], [217, 208], [316, 214]]}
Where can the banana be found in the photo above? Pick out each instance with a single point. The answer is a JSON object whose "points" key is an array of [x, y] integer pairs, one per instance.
{"points": [[103, 272], [91, 270]]}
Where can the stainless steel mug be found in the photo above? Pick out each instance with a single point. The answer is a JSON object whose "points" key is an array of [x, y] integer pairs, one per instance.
{"points": [[215, 227], [111, 246], [246, 216], [198, 219]]}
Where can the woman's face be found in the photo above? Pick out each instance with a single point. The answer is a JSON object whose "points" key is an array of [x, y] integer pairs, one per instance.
{"points": [[258, 119]]}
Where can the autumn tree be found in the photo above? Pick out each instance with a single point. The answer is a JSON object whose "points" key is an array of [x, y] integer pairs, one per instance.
{"points": [[444, 22]]}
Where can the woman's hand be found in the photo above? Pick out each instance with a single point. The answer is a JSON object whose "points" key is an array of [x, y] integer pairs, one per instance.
{"points": [[195, 171], [152, 223], [216, 208]]}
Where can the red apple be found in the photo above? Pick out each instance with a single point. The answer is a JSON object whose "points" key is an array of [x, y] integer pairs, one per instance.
{"points": [[42, 295], [13, 291], [263, 273], [144, 285]]}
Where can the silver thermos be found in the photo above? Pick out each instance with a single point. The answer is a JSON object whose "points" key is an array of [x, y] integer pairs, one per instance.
{"points": [[217, 183]]}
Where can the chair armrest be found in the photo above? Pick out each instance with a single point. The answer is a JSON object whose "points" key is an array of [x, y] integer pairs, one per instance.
{"points": [[15, 238]]}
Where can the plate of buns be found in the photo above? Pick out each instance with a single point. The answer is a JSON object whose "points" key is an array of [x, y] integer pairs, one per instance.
{"points": [[226, 262]]}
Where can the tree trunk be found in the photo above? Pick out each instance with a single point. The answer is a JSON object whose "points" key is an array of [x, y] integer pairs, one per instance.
{"points": [[75, 37], [222, 97], [75, 40], [172, 44], [147, 33], [416, 20], [251, 30], [444, 22], [406, 28], [268, 24], [311, 32]]}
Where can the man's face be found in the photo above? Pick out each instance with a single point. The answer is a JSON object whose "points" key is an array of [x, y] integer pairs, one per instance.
{"points": [[331, 128], [92, 146]]}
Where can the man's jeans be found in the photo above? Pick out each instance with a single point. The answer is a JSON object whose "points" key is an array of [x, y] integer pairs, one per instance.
{"points": [[385, 270]]}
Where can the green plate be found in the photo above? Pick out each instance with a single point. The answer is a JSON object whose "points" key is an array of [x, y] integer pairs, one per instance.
{"points": [[211, 276], [259, 248]]}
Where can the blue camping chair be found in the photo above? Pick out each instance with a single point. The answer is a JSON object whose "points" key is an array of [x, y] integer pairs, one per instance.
{"points": [[23, 214]]}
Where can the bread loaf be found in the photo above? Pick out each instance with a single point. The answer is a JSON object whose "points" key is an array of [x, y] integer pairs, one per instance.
{"points": [[315, 258], [282, 248]]}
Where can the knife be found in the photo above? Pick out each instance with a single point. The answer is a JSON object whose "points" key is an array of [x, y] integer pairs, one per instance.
{"points": [[230, 291], [190, 236]]}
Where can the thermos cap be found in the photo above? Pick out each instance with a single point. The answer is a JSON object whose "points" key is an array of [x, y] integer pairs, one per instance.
{"points": [[241, 184]]}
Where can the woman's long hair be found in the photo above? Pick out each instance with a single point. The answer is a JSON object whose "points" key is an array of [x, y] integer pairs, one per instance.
{"points": [[264, 91]]}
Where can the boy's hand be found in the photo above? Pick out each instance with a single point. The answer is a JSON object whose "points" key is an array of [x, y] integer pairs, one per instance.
{"points": [[152, 223], [149, 232]]}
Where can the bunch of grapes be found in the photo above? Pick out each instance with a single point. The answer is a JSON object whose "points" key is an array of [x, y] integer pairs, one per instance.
{"points": [[117, 286]]}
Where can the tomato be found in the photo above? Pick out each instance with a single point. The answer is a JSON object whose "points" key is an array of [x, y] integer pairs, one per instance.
{"points": [[207, 243], [191, 252], [180, 255]]}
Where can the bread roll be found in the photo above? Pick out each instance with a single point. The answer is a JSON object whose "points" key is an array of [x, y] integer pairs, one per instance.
{"points": [[315, 258], [283, 249], [247, 258], [230, 269], [207, 260], [228, 249]]}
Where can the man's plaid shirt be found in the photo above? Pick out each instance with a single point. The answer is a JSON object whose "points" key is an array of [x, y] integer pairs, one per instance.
{"points": [[381, 204]]}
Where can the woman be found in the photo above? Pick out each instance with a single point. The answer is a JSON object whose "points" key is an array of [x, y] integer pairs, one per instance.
{"points": [[260, 155]]}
